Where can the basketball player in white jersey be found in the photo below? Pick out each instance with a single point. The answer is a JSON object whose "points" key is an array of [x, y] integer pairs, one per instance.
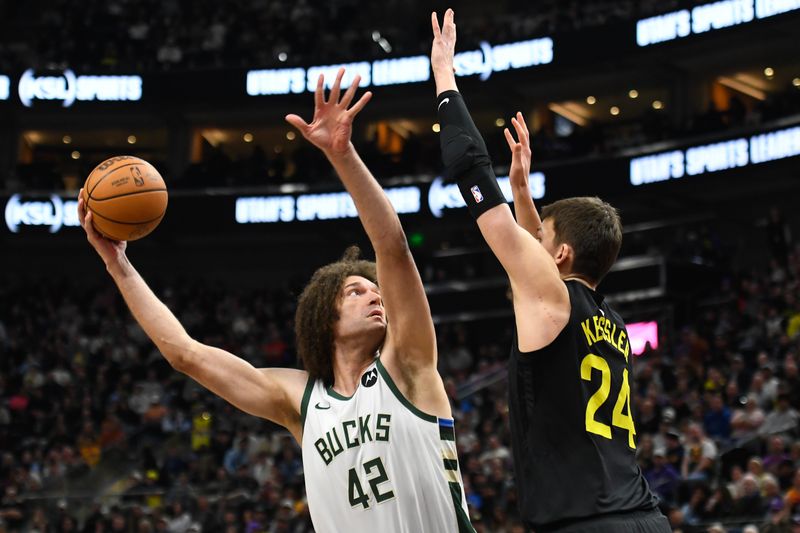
{"points": [[370, 411]]}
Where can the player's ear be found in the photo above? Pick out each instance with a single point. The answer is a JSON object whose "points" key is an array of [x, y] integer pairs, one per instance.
{"points": [[564, 254]]}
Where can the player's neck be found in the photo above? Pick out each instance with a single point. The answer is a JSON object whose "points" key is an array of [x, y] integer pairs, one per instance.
{"points": [[566, 273], [349, 362]]}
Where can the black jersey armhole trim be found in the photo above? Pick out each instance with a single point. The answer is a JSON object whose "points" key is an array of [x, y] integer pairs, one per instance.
{"points": [[304, 403]]}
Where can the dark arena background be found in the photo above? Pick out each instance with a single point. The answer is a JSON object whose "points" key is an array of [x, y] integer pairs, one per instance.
{"points": [[684, 115]]}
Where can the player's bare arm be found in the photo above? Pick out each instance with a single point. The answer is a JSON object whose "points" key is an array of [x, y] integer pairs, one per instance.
{"points": [[409, 352], [539, 294], [274, 393], [524, 208]]}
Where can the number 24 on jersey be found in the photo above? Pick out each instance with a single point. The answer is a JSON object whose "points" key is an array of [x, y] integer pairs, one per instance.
{"points": [[621, 415]]}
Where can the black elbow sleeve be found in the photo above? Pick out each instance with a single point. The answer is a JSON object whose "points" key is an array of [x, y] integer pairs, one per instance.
{"points": [[465, 156]]}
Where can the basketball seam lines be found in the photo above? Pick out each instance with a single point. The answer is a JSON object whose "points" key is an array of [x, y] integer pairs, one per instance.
{"points": [[128, 223], [126, 194], [109, 173]]}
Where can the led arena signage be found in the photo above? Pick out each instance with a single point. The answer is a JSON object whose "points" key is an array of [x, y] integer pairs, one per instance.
{"points": [[414, 69], [5, 85], [67, 87], [339, 205], [708, 17], [53, 213], [715, 157], [326, 206]]}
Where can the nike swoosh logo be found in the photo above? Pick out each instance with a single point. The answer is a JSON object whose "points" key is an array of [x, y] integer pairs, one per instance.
{"points": [[442, 103], [323, 406]]}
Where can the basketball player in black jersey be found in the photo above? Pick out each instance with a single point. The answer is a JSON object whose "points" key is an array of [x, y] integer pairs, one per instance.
{"points": [[573, 433]]}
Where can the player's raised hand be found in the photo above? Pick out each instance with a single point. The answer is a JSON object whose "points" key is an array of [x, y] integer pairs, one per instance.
{"points": [[443, 51], [332, 126], [108, 250], [444, 41], [520, 152]]}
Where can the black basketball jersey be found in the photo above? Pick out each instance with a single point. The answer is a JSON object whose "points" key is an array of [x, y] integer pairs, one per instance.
{"points": [[574, 440]]}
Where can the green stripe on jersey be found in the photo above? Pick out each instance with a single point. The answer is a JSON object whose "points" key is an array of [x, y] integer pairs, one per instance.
{"points": [[464, 525], [333, 394], [304, 403], [450, 464]]}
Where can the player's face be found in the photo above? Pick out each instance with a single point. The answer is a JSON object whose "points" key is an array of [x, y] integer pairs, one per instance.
{"points": [[361, 309]]}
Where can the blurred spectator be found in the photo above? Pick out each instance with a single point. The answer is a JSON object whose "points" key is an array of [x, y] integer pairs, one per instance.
{"points": [[750, 502], [717, 419], [792, 496], [747, 421], [700, 454], [662, 477], [783, 420]]}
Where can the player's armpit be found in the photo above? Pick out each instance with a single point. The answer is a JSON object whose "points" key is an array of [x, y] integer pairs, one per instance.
{"points": [[540, 314], [274, 393], [421, 385]]}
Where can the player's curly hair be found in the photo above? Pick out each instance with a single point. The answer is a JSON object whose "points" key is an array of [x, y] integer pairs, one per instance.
{"points": [[318, 311], [592, 228]]}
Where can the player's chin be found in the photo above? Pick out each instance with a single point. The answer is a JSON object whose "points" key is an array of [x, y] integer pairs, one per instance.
{"points": [[376, 326], [377, 322]]}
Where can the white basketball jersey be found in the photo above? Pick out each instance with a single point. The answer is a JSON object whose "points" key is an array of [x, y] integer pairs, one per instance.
{"points": [[374, 462]]}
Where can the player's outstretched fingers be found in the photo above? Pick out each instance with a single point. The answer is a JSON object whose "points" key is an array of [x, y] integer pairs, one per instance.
{"points": [[524, 135], [350, 93], [512, 144], [437, 31], [359, 105], [449, 24], [319, 97], [296, 121], [518, 129], [335, 90], [521, 119]]}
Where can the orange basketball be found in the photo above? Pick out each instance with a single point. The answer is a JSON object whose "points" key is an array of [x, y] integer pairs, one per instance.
{"points": [[127, 196]]}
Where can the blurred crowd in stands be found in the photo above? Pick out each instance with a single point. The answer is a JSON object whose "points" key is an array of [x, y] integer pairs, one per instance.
{"points": [[99, 434], [118, 35]]}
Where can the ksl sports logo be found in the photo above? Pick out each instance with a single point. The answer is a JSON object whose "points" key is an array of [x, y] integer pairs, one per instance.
{"points": [[62, 87], [53, 212], [502, 57], [67, 87]]}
